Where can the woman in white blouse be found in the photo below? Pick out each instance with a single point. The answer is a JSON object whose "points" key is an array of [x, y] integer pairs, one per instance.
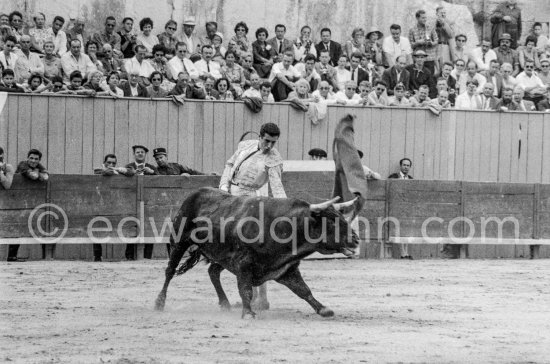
{"points": [[146, 38]]}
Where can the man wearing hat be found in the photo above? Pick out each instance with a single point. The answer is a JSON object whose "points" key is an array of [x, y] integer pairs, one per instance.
{"points": [[506, 19], [317, 154], [505, 54], [139, 165], [193, 42], [166, 168], [420, 75], [424, 38]]}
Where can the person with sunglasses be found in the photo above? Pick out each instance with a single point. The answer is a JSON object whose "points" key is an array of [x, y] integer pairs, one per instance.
{"points": [[154, 90], [459, 50], [528, 51], [544, 73], [180, 63], [159, 61], [241, 41], [168, 39], [109, 63], [108, 36], [531, 84]]}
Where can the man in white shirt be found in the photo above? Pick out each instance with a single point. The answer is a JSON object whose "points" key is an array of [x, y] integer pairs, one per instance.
{"points": [[469, 100], [254, 90], [180, 63], [59, 37], [308, 72], [8, 56], [206, 66], [141, 65], [323, 94], [471, 74], [75, 60], [188, 37], [396, 45], [27, 62], [348, 96], [282, 77], [483, 55], [531, 84], [378, 96]]}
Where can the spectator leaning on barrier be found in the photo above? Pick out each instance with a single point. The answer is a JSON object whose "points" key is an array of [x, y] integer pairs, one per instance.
{"points": [[405, 166], [6, 171], [32, 168], [8, 82], [166, 168], [398, 98], [109, 168], [139, 166], [531, 84], [489, 101], [523, 105], [507, 102], [185, 87], [132, 88]]}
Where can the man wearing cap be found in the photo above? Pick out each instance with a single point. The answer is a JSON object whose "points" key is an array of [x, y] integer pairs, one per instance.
{"points": [[424, 38], [188, 37], [317, 154], [166, 168], [505, 54], [397, 74], [506, 18], [139, 165], [420, 75]]}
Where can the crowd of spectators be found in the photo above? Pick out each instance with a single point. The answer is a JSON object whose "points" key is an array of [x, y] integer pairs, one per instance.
{"points": [[431, 67]]}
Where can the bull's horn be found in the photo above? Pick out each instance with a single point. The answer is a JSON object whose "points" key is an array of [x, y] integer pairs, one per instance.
{"points": [[316, 207], [344, 206]]}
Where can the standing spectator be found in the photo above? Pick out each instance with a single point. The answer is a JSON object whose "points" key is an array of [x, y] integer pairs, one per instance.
{"points": [[211, 30], [304, 45], [505, 54], [421, 99], [471, 74], [108, 36], [6, 171], [264, 54], [507, 79], [378, 96], [333, 48], [39, 34], [206, 67], [541, 40], [8, 82], [17, 25], [483, 55], [469, 100], [168, 38], [109, 63], [424, 38], [488, 100], [459, 50], [420, 75], [357, 42], [395, 45], [396, 74], [133, 88], [75, 60], [325, 70], [373, 47], [528, 52], [523, 105], [348, 96], [128, 39], [531, 84], [405, 166], [544, 74], [185, 88], [493, 76], [445, 35], [180, 63], [76, 32], [279, 45], [146, 37], [154, 90], [357, 74], [51, 63], [283, 76], [190, 39], [233, 72], [27, 62], [113, 79], [140, 65], [506, 18], [507, 102], [240, 39], [8, 57], [398, 98], [308, 72]]}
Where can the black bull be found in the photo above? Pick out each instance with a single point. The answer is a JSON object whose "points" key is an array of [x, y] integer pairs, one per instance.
{"points": [[222, 229]]}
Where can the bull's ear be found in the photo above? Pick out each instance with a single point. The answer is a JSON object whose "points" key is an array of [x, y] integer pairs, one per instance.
{"points": [[318, 207]]}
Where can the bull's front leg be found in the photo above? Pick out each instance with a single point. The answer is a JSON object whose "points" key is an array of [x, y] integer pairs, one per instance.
{"points": [[214, 272], [175, 258], [244, 282], [294, 281]]}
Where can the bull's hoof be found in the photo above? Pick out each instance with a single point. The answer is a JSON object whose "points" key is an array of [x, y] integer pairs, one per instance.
{"points": [[326, 312], [225, 306], [260, 305], [159, 304], [248, 315]]}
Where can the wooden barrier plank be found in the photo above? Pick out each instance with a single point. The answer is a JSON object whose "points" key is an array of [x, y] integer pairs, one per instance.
{"points": [[99, 130], [545, 178], [517, 141], [218, 136], [385, 139], [24, 126], [56, 134], [39, 126], [187, 135], [231, 137], [451, 152], [419, 144], [209, 142], [534, 148], [173, 132], [523, 124], [197, 118], [374, 158], [486, 141], [441, 167], [162, 120], [475, 145], [460, 146], [88, 161], [431, 133], [398, 138], [437, 143], [409, 141], [145, 131], [469, 156], [110, 128], [363, 129], [494, 140], [4, 128], [506, 148], [73, 139], [295, 132], [122, 130], [134, 132]]}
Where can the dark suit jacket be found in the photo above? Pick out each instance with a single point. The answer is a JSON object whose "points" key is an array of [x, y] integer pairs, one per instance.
{"points": [[117, 63], [543, 105], [397, 176], [493, 102], [142, 91], [335, 51], [190, 92], [287, 46], [390, 79], [499, 86], [417, 79], [362, 75]]}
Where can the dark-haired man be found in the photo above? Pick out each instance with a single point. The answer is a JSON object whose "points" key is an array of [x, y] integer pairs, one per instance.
{"points": [[333, 48], [397, 74], [405, 166], [279, 44], [109, 168], [395, 45], [206, 67], [424, 38], [108, 36], [166, 168], [58, 36], [32, 168], [75, 60], [325, 70], [139, 165]]}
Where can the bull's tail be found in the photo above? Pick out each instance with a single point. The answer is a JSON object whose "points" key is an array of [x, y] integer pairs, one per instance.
{"points": [[193, 260]]}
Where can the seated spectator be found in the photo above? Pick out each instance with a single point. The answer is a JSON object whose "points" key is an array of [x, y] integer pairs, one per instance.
{"points": [[531, 84], [334, 49], [75, 87], [442, 100], [373, 46], [357, 42], [128, 39], [184, 87], [166, 168], [168, 39], [109, 168], [304, 45], [347, 96], [240, 39], [488, 100], [343, 75], [398, 98], [35, 84], [209, 89], [8, 56], [523, 105], [39, 34], [109, 63], [218, 48], [211, 30], [422, 97], [324, 94], [254, 90], [544, 105], [248, 69], [396, 74], [132, 88], [234, 73], [265, 92], [94, 84], [493, 76], [378, 96], [301, 92], [405, 166], [206, 66], [180, 63], [308, 72], [541, 40], [325, 70], [507, 79], [317, 154], [108, 36], [365, 88], [57, 86], [470, 75], [75, 60], [222, 86], [469, 100], [17, 24], [146, 37], [282, 77], [154, 90], [8, 82], [32, 168], [113, 79], [420, 75], [483, 55], [442, 86], [544, 74], [263, 54], [27, 62], [139, 166], [191, 40], [358, 74], [528, 53], [394, 46], [507, 102], [6, 171], [91, 50], [505, 54], [460, 67], [51, 63], [140, 65]]}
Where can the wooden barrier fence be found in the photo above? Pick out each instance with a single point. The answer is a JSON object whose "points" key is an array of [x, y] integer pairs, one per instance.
{"points": [[74, 133], [119, 201]]}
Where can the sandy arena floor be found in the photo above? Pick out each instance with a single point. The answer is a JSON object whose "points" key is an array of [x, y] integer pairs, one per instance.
{"points": [[467, 311]]}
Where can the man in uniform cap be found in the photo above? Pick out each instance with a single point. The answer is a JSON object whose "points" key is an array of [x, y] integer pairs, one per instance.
{"points": [[166, 168], [317, 154], [139, 165]]}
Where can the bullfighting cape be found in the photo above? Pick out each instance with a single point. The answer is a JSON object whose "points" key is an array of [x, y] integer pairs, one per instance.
{"points": [[349, 179]]}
